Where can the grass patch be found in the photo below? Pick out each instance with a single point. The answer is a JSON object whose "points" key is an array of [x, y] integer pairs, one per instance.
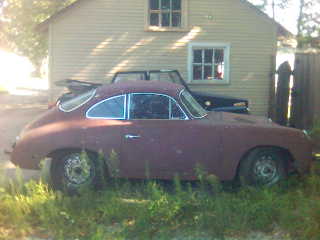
{"points": [[158, 210]]}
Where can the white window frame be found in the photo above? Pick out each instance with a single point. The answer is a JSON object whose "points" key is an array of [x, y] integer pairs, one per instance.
{"points": [[184, 19], [213, 45]]}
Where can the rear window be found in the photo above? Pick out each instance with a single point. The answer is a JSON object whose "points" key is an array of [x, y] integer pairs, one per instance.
{"points": [[77, 101]]}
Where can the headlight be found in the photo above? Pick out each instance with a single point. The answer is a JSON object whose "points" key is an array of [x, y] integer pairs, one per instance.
{"points": [[240, 104]]}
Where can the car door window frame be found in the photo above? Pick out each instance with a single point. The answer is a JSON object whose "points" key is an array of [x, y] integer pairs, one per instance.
{"points": [[186, 117], [107, 99]]}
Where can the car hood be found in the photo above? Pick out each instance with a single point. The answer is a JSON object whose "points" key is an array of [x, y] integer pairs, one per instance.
{"points": [[215, 95], [240, 119]]}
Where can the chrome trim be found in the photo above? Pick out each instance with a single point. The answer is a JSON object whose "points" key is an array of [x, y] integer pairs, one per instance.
{"points": [[96, 104], [94, 91], [130, 136], [159, 94], [187, 107]]}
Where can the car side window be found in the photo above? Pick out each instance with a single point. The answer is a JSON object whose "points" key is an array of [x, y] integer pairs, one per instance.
{"points": [[111, 108], [153, 106]]}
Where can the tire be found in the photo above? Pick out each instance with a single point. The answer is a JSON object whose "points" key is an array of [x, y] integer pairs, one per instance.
{"points": [[263, 167], [72, 171]]}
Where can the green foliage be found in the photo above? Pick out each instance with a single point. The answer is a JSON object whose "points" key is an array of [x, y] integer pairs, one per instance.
{"points": [[158, 210], [308, 22], [18, 26]]}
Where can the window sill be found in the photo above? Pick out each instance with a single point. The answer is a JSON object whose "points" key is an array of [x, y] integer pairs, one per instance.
{"points": [[207, 82], [165, 29]]}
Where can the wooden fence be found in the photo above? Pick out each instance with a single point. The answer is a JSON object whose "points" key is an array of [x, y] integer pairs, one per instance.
{"points": [[305, 95], [305, 108]]}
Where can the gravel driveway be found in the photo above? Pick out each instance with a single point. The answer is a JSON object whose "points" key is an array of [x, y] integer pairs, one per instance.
{"points": [[15, 112]]}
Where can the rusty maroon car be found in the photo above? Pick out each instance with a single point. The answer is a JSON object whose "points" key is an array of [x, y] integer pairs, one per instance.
{"points": [[157, 129]]}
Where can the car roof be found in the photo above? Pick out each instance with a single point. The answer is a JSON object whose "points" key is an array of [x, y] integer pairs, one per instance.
{"points": [[167, 88]]}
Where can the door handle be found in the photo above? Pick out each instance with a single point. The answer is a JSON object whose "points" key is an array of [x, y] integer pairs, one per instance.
{"points": [[129, 136]]}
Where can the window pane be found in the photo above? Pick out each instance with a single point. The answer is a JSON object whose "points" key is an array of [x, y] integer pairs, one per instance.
{"points": [[219, 71], [207, 72], [149, 106], [165, 4], [176, 4], [112, 108], [77, 101], [154, 4], [219, 64], [197, 56], [192, 105], [208, 55], [165, 20], [176, 19], [218, 56], [154, 19], [197, 72], [124, 77], [176, 112]]}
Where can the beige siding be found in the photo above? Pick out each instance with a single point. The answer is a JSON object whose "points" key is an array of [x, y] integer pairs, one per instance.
{"points": [[100, 37]]}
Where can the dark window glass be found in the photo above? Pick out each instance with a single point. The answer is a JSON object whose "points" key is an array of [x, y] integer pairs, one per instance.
{"points": [[165, 4], [154, 19], [219, 56], [112, 108], [208, 64], [154, 4], [197, 56], [208, 55], [207, 72], [176, 112], [149, 106], [176, 19], [165, 20], [176, 4], [197, 72]]}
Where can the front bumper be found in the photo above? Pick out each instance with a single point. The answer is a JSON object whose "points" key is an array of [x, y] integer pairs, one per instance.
{"points": [[316, 157]]}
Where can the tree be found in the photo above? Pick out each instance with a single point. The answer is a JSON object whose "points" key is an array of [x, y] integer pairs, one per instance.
{"points": [[308, 24], [18, 22]]}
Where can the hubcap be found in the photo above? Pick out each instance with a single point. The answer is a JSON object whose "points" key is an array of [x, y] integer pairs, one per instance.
{"points": [[265, 170], [77, 169]]}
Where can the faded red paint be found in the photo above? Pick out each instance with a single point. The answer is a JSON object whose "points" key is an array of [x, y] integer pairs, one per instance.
{"points": [[218, 141]]}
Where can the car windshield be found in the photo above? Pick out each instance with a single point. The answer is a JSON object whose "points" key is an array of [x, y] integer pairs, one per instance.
{"points": [[192, 105], [77, 101], [164, 76], [130, 76]]}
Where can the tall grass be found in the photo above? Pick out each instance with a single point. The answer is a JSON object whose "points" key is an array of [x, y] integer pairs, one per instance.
{"points": [[161, 210]]}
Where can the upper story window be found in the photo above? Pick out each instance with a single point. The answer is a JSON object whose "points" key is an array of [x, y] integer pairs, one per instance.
{"points": [[154, 106], [111, 108], [209, 63], [167, 15]]}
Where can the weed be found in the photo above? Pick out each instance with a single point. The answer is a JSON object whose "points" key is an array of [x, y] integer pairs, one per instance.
{"points": [[147, 210]]}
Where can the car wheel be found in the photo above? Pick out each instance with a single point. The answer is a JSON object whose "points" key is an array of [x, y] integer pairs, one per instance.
{"points": [[263, 167], [75, 170]]}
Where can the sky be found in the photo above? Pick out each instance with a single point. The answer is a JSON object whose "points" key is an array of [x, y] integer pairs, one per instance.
{"points": [[287, 17]]}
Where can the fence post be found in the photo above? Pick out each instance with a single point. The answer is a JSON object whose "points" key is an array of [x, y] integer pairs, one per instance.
{"points": [[282, 95]]}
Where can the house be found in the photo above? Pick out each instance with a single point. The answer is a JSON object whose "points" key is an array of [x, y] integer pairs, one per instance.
{"points": [[221, 46]]}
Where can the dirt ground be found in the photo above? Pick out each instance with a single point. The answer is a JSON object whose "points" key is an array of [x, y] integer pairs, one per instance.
{"points": [[15, 112]]}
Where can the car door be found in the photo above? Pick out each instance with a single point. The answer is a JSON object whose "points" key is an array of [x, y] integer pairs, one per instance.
{"points": [[104, 130], [161, 141], [144, 136]]}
